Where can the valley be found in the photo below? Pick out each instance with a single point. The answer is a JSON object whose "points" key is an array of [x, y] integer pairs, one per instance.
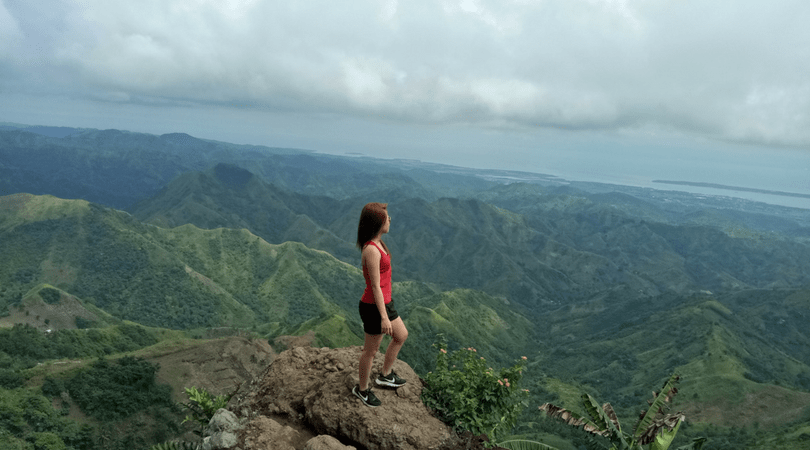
{"points": [[118, 243]]}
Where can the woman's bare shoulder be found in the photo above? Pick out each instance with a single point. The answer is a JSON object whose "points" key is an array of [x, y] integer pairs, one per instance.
{"points": [[371, 250], [371, 253]]}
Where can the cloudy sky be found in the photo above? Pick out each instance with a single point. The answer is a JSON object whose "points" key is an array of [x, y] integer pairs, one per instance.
{"points": [[620, 91]]}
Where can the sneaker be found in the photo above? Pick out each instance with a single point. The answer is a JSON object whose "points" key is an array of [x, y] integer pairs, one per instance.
{"points": [[391, 380], [366, 396]]}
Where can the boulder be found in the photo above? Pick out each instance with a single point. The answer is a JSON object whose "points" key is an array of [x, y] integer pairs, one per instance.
{"points": [[265, 433], [312, 387], [222, 431], [324, 442]]}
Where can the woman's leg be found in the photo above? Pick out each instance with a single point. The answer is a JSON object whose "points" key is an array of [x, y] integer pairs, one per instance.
{"points": [[370, 348], [398, 338]]}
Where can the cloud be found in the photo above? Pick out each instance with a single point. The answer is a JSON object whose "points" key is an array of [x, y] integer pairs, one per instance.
{"points": [[725, 70], [9, 30]]}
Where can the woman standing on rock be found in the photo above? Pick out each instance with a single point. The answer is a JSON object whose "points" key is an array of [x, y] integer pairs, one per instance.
{"points": [[376, 307]]}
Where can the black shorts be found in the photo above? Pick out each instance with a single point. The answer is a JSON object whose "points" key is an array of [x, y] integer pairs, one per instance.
{"points": [[371, 316]]}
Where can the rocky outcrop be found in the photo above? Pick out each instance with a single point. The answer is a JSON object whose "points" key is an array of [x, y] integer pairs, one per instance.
{"points": [[218, 366], [223, 431], [310, 389]]}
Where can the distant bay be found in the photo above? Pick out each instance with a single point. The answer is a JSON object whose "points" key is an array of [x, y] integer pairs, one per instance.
{"points": [[733, 188]]}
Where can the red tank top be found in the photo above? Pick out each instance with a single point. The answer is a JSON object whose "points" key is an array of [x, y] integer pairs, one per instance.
{"points": [[385, 278]]}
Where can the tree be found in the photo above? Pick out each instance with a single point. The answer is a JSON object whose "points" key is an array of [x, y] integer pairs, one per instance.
{"points": [[655, 427]]}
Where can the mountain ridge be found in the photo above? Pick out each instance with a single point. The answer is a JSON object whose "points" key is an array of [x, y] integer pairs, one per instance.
{"points": [[540, 248], [611, 288]]}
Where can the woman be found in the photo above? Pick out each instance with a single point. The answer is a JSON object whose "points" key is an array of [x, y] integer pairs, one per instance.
{"points": [[376, 307]]}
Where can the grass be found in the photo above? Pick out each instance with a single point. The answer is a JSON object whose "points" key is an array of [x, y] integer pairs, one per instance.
{"points": [[27, 208], [570, 394], [333, 332]]}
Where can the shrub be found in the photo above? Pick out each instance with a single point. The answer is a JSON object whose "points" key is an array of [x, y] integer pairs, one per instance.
{"points": [[114, 391], [53, 387], [202, 406], [11, 379], [138, 335], [82, 323], [50, 296], [468, 395]]}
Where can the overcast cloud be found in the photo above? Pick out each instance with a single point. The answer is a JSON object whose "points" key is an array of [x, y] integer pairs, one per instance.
{"points": [[724, 71]]}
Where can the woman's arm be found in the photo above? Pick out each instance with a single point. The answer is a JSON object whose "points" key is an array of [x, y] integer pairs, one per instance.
{"points": [[371, 260]]}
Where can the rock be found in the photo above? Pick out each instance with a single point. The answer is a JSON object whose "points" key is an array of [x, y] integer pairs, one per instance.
{"points": [[324, 442], [220, 441], [224, 420], [265, 433], [222, 431], [204, 367], [308, 385]]}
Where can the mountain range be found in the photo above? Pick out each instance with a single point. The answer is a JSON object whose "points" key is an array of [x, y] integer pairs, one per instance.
{"points": [[541, 249], [607, 289]]}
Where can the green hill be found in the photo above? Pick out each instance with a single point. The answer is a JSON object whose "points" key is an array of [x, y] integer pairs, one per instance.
{"points": [[231, 197], [120, 168], [642, 242], [605, 293], [537, 249], [729, 362], [186, 277], [183, 277]]}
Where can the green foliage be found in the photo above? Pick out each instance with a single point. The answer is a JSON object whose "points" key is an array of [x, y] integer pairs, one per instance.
{"points": [[82, 323], [137, 335], [468, 395], [10, 379], [48, 441], [25, 275], [332, 331], [560, 247], [29, 421], [50, 296], [655, 428], [555, 433], [53, 387], [523, 444], [174, 445], [110, 391], [202, 406], [26, 345], [461, 316], [26, 342]]}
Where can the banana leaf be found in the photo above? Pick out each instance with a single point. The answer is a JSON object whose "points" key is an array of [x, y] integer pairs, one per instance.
{"points": [[657, 405], [664, 440], [696, 444], [603, 421], [522, 444]]}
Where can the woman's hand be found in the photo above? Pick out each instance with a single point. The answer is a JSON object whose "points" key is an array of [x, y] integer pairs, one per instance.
{"points": [[385, 324]]}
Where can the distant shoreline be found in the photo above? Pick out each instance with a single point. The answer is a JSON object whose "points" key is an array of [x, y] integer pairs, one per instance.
{"points": [[733, 188]]}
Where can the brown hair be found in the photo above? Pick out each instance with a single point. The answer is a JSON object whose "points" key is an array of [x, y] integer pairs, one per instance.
{"points": [[372, 219]]}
